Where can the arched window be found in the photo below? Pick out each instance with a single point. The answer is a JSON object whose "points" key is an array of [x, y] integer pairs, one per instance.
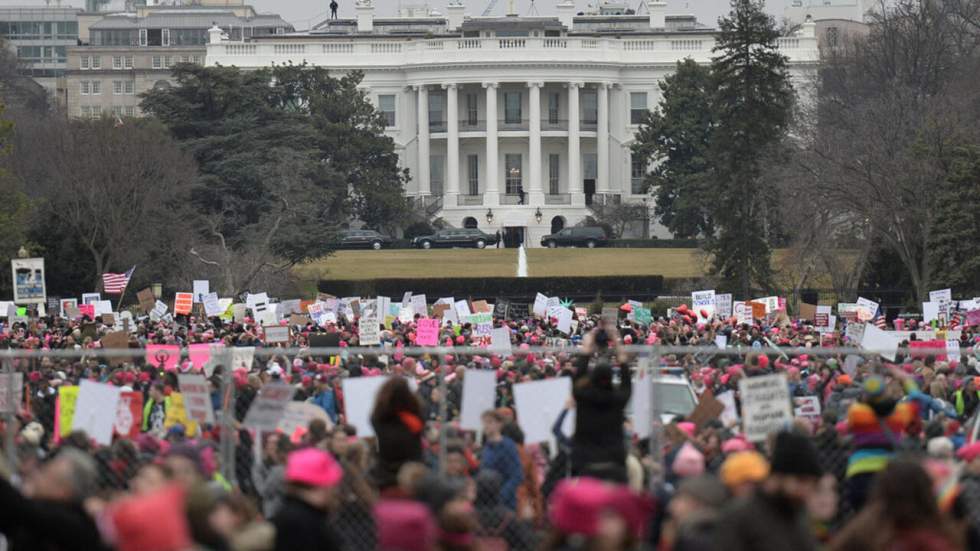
{"points": [[557, 224], [469, 223]]}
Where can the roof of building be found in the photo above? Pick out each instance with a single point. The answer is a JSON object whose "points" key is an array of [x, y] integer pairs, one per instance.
{"points": [[187, 18], [512, 23]]}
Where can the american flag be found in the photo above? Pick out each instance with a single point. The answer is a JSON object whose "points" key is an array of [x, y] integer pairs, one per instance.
{"points": [[115, 284], [881, 322]]}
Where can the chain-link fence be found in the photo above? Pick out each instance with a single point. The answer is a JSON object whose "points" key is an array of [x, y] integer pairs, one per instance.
{"points": [[435, 450]]}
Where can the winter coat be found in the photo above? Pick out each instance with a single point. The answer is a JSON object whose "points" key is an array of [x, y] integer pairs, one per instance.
{"points": [[302, 527], [761, 523], [36, 525]]}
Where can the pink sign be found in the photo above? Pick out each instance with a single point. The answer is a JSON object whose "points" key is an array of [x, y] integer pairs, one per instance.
{"points": [[87, 310], [200, 353], [163, 355], [929, 348], [427, 332], [973, 317]]}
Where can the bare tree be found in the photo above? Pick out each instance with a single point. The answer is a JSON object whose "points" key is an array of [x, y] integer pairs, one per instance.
{"points": [[619, 216]]}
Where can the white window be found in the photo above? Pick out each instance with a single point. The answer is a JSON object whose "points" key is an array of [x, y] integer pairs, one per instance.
{"points": [[437, 173], [128, 61], [184, 59], [143, 40], [128, 87], [554, 174], [96, 62], [512, 179], [638, 107], [197, 59], [83, 62], [96, 111], [86, 111], [165, 37], [130, 111], [512, 108], [117, 87], [117, 110], [473, 174], [386, 104], [96, 87], [157, 62], [117, 62], [84, 88], [638, 172]]}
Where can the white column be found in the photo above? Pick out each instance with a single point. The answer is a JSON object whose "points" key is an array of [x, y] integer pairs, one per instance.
{"points": [[452, 143], [423, 117], [575, 187], [536, 196], [492, 188], [602, 141]]}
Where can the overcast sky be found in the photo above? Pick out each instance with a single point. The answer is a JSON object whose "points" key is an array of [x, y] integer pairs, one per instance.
{"points": [[301, 13]]}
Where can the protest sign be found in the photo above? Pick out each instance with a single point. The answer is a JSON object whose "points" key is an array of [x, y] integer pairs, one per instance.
{"points": [[297, 417], [67, 303], [854, 332], [28, 279], [953, 350], [200, 288], [419, 305], [500, 340], [163, 356], [643, 316], [808, 312], [742, 312], [867, 309], [879, 341], [159, 310], [728, 416], [427, 332], [197, 398], [87, 310], [439, 310], [479, 393], [276, 333], [807, 407], [765, 405], [723, 305], [212, 307], [758, 310], [538, 405], [65, 411], [932, 347], [200, 354], [95, 410], [117, 340], [369, 328], [942, 295], [973, 318], [359, 393], [482, 306], [703, 304], [183, 303], [146, 300], [103, 307], [290, 307], [91, 298], [242, 356], [129, 415], [540, 305], [11, 393], [565, 320], [177, 415], [462, 309], [269, 406], [641, 404], [707, 410], [847, 310], [930, 311], [406, 314], [482, 323], [501, 308], [721, 341]]}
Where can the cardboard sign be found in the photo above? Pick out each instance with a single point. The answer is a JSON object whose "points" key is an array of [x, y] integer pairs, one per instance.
{"points": [[269, 407], [808, 312], [439, 310], [539, 403], [276, 333], [129, 415], [427, 332], [183, 303], [117, 340], [95, 410], [707, 410], [758, 310], [765, 405], [146, 300], [11, 393], [298, 415], [807, 407], [197, 398], [479, 393], [482, 306]]}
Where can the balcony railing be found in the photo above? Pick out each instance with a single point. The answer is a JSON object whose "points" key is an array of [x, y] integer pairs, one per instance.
{"points": [[588, 125], [558, 199], [554, 124], [472, 125], [504, 124], [513, 199], [469, 200], [437, 126]]}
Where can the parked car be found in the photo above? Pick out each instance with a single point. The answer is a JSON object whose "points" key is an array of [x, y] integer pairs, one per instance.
{"points": [[673, 395], [587, 236], [455, 237], [362, 239]]}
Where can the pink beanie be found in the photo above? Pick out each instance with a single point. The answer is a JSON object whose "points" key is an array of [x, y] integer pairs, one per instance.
{"points": [[689, 462]]}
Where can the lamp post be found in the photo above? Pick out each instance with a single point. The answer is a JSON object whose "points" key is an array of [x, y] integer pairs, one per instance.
{"points": [[538, 215], [489, 216], [157, 289]]}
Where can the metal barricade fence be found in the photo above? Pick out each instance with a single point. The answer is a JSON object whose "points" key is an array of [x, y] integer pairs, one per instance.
{"points": [[252, 462]]}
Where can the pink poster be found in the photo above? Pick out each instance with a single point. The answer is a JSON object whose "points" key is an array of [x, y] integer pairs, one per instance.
{"points": [[427, 332], [931, 348], [200, 353], [973, 317], [163, 355]]}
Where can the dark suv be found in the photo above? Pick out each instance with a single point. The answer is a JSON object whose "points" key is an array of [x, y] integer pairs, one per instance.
{"points": [[589, 236], [453, 237], [362, 239]]}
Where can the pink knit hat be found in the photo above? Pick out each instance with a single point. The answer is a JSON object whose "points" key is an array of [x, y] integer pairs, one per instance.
{"points": [[689, 462], [313, 467], [577, 504], [404, 525]]}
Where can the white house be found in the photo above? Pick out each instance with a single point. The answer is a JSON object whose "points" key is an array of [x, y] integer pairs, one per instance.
{"points": [[513, 123]]}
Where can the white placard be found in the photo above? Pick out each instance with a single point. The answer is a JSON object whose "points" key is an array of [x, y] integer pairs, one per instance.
{"points": [[359, 393], [95, 410], [16, 394], [930, 311], [540, 307], [703, 300], [855, 332], [807, 407], [942, 295], [369, 328], [406, 314], [276, 333], [269, 406], [721, 341], [723, 305], [539, 403], [953, 350], [91, 298], [742, 313], [419, 305], [642, 406], [882, 342], [462, 309], [565, 320], [479, 392], [28, 280], [159, 310], [212, 306], [765, 405], [201, 288], [103, 307], [299, 414], [197, 398], [729, 416], [242, 356], [253, 301], [500, 340], [867, 309]]}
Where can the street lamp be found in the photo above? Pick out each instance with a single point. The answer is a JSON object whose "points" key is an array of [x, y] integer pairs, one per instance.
{"points": [[157, 289], [489, 216], [538, 216], [22, 252]]}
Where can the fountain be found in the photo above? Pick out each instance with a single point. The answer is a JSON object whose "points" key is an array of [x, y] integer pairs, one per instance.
{"points": [[521, 261]]}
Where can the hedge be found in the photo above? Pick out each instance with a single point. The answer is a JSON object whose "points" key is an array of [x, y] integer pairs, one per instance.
{"points": [[515, 288], [655, 243]]}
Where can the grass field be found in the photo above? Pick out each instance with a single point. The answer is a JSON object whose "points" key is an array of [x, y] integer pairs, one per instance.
{"points": [[415, 263]]}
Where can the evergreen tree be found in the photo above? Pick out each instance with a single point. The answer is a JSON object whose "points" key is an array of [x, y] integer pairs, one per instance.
{"points": [[956, 230], [752, 101]]}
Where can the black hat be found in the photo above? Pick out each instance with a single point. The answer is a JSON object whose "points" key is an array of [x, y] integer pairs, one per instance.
{"points": [[795, 454]]}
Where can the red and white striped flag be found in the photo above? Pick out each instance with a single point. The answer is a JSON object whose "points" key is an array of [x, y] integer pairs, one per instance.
{"points": [[881, 322], [115, 284]]}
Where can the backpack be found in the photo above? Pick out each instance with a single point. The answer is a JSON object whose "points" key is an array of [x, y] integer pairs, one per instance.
{"points": [[493, 540]]}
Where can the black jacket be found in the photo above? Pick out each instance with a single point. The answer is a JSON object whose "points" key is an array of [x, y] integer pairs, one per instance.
{"points": [[599, 447], [302, 527], [35, 525], [761, 523], [397, 445]]}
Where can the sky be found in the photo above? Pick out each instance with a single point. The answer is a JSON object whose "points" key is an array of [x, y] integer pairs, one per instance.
{"points": [[303, 13]]}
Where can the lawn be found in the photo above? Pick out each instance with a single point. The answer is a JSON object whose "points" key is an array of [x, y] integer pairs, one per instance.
{"points": [[415, 263]]}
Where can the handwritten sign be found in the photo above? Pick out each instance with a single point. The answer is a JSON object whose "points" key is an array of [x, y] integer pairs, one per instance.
{"points": [[427, 332], [765, 405]]}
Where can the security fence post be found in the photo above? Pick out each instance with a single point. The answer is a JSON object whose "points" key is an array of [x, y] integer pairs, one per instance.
{"points": [[228, 437]]}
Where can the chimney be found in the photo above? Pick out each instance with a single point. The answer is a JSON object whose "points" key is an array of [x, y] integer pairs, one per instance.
{"points": [[658, 14], [454, 15], [214, 34], [365, 16], [809, 28], [566, 13]]}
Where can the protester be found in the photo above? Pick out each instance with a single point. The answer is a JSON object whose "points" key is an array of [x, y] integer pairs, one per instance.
{"points": [[301, 523]]}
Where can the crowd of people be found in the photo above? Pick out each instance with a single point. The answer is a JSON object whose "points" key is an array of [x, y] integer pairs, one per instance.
{"points": [[890, 462]]}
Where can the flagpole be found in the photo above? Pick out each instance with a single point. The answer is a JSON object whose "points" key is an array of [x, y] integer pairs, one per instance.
{"points": [[123, 293]]}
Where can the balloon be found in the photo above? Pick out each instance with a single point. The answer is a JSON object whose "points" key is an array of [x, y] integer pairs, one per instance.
{"points": [[682, 308]]}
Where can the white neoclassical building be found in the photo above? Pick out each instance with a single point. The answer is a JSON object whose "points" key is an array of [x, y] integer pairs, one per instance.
{"points": [[517, 124]]}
